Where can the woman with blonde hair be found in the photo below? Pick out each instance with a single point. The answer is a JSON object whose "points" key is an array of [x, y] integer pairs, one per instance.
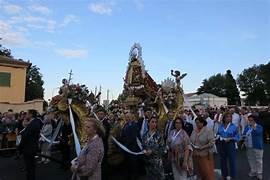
{"points": [[202, 142], [88, 164]]}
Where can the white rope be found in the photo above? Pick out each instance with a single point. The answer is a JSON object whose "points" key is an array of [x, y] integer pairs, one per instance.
{"points": [[189, 106], [125, 148], [48, 140], [139, 143], [76, 140], [56, 132]]}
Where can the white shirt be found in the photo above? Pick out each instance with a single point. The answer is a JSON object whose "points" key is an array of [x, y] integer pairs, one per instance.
{"points": [[244, 122], [218, 117], [248, 140], [236, 119], [210, 123]]}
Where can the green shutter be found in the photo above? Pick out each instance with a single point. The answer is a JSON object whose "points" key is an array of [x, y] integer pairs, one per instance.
{"points": [[5, 79]]}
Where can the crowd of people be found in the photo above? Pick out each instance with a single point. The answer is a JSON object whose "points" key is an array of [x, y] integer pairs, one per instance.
{"points": [[184, 148]]}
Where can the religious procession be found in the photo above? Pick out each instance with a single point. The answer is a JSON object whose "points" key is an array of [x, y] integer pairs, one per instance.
{"points": [[151, 132]]}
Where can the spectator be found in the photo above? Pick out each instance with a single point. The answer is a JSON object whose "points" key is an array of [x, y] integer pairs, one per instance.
{"points": [[178, 143], [202, 141], [46, 132], [29, 143], [228, 136], [154, 147], [128, 139], [88, 164], [253, 134]]}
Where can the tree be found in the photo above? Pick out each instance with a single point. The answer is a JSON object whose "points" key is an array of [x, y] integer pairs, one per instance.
{"points": [[214, 85], [4, 51], [265, 76], [232, 92], [254, 82], [34, 84], [223, 86]]}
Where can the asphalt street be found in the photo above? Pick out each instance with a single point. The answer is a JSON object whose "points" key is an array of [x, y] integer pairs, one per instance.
{"points": [[10, 168]]}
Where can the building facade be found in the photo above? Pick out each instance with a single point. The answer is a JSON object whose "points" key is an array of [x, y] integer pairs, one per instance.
{"points": [[207, 100], [12, 80], [12, 86]]}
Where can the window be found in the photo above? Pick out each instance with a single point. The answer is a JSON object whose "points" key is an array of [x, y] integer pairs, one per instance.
{"points": [[5, 79]]}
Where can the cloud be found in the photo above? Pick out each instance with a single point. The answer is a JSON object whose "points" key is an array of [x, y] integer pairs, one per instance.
{"points": [[51, 25], [101, 8], [11, 37], [40, 9], [72, 53], [34, 19], [21, 29], [12, 9], [46, 44], [48, 25], [139, 4], [69, 19]]}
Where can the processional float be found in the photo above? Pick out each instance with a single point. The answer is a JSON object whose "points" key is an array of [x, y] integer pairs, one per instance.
{"points": [[75, 102]]}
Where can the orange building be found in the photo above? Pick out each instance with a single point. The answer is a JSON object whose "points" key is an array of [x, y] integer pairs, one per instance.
{"points": [[12, 86], [12, 80]]}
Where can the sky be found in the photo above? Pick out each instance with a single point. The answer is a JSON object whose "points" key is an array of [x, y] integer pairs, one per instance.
{"points": [[93, 38]]}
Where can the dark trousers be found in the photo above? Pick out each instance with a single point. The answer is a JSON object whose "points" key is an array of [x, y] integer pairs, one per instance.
{"points": [[132, 167], [29, 160], [104, 168], [227, 153], [65, 151]]}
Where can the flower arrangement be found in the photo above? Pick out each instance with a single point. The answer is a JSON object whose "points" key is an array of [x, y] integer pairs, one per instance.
{"points": [[77, 92]]}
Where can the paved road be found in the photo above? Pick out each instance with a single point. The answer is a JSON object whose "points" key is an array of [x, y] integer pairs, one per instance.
{"points": [[243, 167], [10, 168]]}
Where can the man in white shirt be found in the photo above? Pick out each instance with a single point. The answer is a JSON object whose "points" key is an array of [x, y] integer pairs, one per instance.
{"points": [[235, 117], [210, 122], [243, 119]]}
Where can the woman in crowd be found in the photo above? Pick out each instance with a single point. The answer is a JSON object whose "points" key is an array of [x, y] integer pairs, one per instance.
{"points": [[153, 145], [202, 141], [46, 133], [88, 164], [228, 136], [178, 143], [253, 134]]}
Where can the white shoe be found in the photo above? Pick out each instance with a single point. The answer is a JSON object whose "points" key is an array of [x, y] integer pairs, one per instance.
{"points": [[252, 174], [40, 162], [47, 161], [259, 177]]}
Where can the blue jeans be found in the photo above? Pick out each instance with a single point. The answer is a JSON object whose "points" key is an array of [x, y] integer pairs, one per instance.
{"points": [[227, 153]]}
